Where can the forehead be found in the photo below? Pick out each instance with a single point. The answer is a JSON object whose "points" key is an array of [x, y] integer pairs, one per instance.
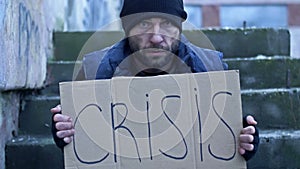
{"points": [[154, 19]]}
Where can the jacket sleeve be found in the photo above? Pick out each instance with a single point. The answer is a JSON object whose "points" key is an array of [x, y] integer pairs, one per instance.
{"points": [[225, 65]]}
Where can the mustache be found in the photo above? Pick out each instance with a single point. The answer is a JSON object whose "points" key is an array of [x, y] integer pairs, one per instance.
{"points": [[134, 42], [157, 46]]}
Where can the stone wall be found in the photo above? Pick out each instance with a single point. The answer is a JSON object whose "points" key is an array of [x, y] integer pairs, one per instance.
{"points": [[25, 45], [9, 109]]}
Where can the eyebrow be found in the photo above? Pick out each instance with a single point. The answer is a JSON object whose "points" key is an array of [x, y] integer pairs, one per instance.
{"points": [[149, 20]]}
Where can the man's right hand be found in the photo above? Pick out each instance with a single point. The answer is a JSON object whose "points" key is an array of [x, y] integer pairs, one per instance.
{"points": [[63, 125]]}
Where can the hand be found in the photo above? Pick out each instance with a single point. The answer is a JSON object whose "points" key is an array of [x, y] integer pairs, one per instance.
{"points": [[63, 124], [246, 136]]}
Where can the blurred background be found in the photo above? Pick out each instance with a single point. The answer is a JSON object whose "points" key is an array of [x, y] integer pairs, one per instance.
{"points": [[91, 15]]}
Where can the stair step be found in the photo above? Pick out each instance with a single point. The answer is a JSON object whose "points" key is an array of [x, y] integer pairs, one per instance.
{"points": [[33, 152], [250, 42], [273, 108], [232, 42], [255, 73], [267, 72], [274, 144], [35, 116], [59, 71], [68, 46]]}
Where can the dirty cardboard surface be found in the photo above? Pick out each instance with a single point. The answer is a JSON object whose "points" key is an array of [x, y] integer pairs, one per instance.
{"points": [[171, 121]]}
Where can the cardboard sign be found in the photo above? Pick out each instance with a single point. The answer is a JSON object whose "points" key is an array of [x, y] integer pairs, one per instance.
{"points": [[184, 121]]}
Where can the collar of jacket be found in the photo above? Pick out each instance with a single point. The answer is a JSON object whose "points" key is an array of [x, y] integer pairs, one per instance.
{"points": [[114, 61]]}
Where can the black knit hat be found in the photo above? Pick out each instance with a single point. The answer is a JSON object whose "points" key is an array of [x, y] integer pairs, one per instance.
{"points": [[134, 11]]}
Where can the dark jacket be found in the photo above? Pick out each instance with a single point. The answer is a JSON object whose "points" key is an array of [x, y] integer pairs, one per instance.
{"points": [[104, 64]]}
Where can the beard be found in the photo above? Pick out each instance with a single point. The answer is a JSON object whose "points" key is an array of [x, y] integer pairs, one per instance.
{"points": [[153, 56]]}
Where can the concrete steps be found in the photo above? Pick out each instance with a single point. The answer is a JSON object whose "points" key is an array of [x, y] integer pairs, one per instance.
{"points": [[263, 72], [33, 152], [58, 71], [270, 91], [35, 118], [243, 43], [279, 149], [255, 73], [274, 108]]}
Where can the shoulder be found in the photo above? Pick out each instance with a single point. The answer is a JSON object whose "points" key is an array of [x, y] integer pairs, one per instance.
{"points": [[104, 58], [208, 52], [211, 59], [91, 62], [95, 56]]}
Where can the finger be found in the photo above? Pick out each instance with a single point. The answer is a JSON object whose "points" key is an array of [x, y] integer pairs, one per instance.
{"points": [[246, 138], [64, 126], [65, 133], [251, 120], [242, 151], [62, 118], [67, 140], [56, 109], [248, 130], [247, 146]]}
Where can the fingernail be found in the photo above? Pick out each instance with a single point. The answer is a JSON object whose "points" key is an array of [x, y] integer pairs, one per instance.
{"points": [[66, 140], [252, 138], [58, 134], [242, 151]]}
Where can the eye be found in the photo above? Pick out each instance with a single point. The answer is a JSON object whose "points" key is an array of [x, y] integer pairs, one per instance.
{"points": [[144, 24], [167, 24]]}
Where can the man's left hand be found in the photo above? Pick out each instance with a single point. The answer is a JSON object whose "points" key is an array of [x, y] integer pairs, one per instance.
{"points": [[246, 136]]}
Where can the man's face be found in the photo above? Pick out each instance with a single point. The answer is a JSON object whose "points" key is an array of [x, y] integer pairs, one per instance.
{"points": [[155, 41]]}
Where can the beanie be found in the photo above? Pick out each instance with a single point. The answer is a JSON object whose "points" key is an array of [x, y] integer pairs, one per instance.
{"points": [[133, 11]]}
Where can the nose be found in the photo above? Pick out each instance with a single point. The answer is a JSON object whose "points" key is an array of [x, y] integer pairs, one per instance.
{"points": [[156, 36]]}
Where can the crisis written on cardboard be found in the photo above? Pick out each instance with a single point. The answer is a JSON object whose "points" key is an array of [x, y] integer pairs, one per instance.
{"points": [[169, 121]]}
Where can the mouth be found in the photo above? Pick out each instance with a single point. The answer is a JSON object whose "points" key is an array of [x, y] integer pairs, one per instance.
{"points": [[155, 52]]}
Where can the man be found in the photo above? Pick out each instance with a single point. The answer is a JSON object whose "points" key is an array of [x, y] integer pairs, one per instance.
{"points": [[154, 46]]}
